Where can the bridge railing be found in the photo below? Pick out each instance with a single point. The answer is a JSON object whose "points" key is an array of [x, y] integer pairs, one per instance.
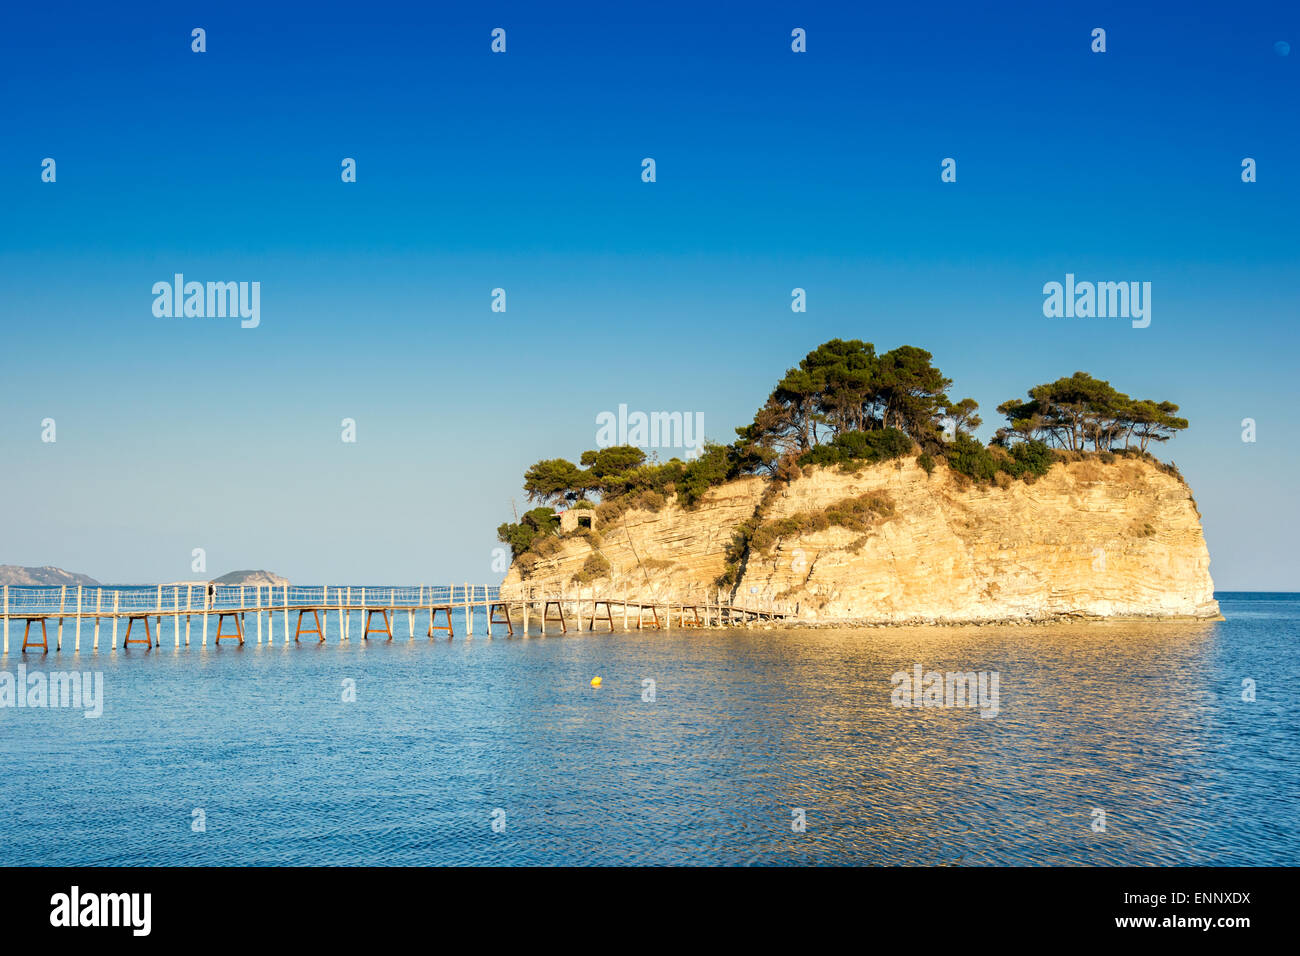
{"points": [[174, 598]]}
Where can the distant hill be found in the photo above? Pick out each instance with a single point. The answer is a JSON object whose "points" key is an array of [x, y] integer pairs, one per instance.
{"points": [[42, 577], [251, 577]]}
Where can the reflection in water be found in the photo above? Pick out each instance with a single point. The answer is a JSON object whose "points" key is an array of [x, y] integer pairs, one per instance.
{"points": [[1144, 722]]}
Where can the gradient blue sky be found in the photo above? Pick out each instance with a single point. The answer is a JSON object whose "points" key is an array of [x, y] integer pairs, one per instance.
{"points": [[522, 170]]}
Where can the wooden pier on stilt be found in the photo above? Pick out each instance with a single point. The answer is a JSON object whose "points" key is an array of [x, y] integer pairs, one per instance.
{"points": [[181, 610]]}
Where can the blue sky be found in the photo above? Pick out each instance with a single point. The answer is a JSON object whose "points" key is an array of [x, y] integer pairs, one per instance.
{"points": [[522, 171]]}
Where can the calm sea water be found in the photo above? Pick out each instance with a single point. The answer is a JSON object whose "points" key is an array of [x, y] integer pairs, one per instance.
{"points": [[1145, 723]]}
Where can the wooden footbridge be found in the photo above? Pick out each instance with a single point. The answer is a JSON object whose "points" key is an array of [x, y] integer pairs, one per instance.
{"points": [[142, 615]]}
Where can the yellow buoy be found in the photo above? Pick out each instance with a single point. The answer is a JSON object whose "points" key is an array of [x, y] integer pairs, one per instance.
{"points": [[595, 682]]}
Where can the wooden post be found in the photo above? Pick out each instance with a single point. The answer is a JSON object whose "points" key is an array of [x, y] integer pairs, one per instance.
{"points": [[347, 621], [78, 638], [487, 606], [469, 611], [342, 630], [257, 612], [99, 604], [286, 614], [63, 597], [117, 595], [176, 615], [205, 612], [21, 690], [526, 591], [189, 606]]}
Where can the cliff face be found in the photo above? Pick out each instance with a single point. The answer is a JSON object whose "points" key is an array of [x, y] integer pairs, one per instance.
{"points": [[1087, 539]]}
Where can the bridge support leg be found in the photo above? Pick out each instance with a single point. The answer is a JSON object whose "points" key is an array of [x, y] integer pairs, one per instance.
{"points": [[559, 609], [433, 617], [317, 630], [501, 606], [147, 640], [239, 627], [386, 629], [44, 645]]}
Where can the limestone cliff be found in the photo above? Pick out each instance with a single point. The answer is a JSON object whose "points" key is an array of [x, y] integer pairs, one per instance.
{"points": [[1087, 539]]}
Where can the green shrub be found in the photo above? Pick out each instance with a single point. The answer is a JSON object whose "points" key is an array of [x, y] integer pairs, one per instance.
{"points": [[595, 566], [648, 500], [522, 536], [545, 545], [968, 457], [880, 444], [1029, 458], [855, 514], [713, 467], [734, 553], [926, 461]]}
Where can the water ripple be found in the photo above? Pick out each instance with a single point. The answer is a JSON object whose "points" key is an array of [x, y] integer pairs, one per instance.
{"points": [[1144, 723]]}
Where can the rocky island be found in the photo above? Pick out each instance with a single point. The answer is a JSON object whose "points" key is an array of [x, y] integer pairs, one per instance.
{"points": [[860, 496]]}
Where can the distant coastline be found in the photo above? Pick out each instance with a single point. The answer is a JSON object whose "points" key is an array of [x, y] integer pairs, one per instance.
{"points": [[47, 576], [16, 575]]}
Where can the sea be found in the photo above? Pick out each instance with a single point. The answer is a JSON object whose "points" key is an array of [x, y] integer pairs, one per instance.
{"points": [[1108, 744]]}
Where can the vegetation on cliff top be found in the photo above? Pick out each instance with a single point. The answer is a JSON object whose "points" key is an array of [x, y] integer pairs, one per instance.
{"points": [[844, 405]]}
